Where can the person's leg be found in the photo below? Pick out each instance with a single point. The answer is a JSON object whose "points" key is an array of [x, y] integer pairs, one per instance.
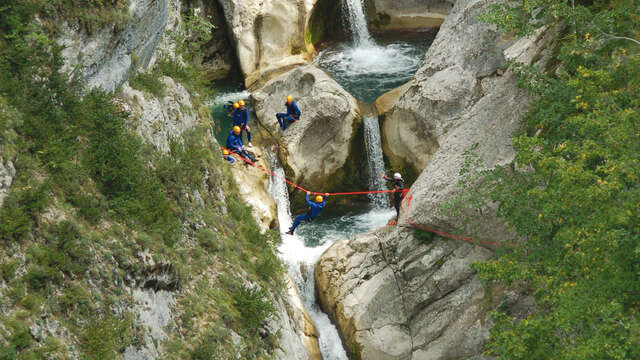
{"points": [[397, 198], [280, 117], [297, 222], [248, 135]]}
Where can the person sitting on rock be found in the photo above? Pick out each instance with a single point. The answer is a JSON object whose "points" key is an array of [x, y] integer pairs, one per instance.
{"points": [[292, 114], [398, 186], [314, 210], [234, 144], [227, 156], [241, 118]]}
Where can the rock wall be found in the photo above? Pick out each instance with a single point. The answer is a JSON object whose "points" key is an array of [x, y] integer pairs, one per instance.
{"points": [[315, 149], [461, 95], [409, 14], [268, 34], [109, 56], [395, 297]]}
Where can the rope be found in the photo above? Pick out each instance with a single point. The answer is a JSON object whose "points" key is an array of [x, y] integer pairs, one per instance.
{"points": [[406, 213]]}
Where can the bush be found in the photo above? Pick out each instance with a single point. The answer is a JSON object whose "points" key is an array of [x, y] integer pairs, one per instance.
{"points": [[149, 82], [254, 306]]}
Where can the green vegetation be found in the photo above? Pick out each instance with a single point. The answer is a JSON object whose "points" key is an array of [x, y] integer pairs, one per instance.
{"points": [[573, 194], [90, 196]]}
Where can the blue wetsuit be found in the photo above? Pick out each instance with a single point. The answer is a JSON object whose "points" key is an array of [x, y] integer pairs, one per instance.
{"points": [[313, 212], [234, 144], [292, 114], [241, 118], [229, 158]]}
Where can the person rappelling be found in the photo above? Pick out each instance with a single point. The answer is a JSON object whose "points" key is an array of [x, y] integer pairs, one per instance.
{"points": [[398, 187], [241, 119], [292, 115], [314, 210], [234, 144]]}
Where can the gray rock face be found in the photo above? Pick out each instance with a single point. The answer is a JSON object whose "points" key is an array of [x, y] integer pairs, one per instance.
{"points": [[268, 34], [316, 147], [158, 120], [393, 297], [460, 96], [7, 173], [412, 14], [107, 57]]}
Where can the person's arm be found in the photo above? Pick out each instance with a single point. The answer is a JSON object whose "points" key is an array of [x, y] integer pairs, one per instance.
{"points": [[296, 110], [324, 199], [386, 177], [308, 201]]}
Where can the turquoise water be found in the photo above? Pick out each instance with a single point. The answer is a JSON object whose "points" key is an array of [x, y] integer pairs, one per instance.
{"points": [[369, 70], [222, 123]]}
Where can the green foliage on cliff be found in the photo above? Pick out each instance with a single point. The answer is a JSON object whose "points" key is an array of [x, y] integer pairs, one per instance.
{"points": [[90, 197], [573, 194]]}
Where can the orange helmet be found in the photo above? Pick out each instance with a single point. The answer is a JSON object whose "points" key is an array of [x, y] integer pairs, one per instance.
{"points": [[225, 152], [236, 105], [319, 199], [241, 103], [236, 130], [289, 98]]}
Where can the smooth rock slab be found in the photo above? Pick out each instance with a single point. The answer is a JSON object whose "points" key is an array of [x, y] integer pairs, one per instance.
{"points": [[316, 147]]}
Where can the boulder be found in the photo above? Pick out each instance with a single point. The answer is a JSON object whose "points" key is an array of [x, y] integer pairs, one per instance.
{"points": [[393, 296], [316, 148], [461, 95], [108, 56], [268, 34]]}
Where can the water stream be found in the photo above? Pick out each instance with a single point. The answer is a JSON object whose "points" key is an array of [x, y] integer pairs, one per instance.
{"points": [[375, 162], [301, 251]]}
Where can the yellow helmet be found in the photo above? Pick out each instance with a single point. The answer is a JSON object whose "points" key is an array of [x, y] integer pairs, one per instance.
{"points": [[241, 103], [319, 198], [289, 98], [236, 130], [236, 105], [225, 152]]}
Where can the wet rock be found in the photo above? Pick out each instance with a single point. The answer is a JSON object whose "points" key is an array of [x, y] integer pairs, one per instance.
{"points": [[314, 149], [394, 297]]}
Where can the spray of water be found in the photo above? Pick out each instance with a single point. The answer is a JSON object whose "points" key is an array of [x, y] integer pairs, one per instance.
{"points": [[356, 21], [375, 162]]}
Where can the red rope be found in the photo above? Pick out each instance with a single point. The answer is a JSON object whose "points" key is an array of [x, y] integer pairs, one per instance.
{"points": [[444, 234], [406, 213]]}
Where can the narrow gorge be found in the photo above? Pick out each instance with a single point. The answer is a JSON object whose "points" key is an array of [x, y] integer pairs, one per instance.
{"points": [[126, 234]]}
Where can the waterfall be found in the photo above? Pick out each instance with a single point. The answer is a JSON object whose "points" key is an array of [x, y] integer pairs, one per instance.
{"points": [[300, 262], [375, 162], [355, 19]]}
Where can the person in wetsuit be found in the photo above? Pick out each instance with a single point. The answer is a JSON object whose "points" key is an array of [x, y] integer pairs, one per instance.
{"points": [[398, 186], [314, 210]]}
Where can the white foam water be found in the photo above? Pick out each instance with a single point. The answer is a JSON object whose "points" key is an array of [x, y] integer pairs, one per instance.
{"points": [[355, 20], [375, 162], [300, 258]]}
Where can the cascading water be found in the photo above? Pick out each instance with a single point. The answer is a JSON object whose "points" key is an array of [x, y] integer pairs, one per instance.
{"points": [[300, 261], [375, 162], [357, 22], [368, 69]]}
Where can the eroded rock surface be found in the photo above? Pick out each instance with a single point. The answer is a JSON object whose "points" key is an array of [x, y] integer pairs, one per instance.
{"points": [[107, 57], [160, 119], [461, 95], [315, 148], [268, 34], [395, 297], [411, 14]]}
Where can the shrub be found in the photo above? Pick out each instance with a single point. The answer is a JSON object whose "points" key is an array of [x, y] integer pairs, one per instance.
{"points": [[149, 82], [254, 306]]}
